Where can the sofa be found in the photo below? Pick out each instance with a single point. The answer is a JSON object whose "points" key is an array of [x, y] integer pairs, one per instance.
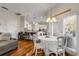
{"points": [[7, 43]]}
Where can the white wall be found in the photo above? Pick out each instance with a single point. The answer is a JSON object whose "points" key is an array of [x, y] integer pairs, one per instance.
{"points": [[58, 26], [9, 22], [50, 29], [21, 23]]}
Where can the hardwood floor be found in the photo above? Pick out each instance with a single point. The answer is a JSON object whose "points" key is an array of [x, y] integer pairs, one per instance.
{"points": [[25, 48]]}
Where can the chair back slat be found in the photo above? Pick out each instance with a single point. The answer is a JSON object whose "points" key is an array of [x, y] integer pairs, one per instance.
{"points": [[62, 42]]}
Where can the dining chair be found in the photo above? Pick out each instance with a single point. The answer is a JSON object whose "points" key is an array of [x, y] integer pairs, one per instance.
{"points": [[50, 47], [62, 44], [38, 44], [57, 48]]}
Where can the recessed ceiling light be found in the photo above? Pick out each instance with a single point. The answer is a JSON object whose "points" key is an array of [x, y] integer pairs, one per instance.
{"points": [[18, 13], [4, 8]]}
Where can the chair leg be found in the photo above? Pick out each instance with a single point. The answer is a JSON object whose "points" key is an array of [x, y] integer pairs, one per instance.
{"points": [[33, 49], [46, 52], [56, 54], [36, 52], [63, 53]]}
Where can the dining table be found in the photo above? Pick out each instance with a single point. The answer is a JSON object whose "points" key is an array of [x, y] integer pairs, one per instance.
{"points": [[52, 40]]}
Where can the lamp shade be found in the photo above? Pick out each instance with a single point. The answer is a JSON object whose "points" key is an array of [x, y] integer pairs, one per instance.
{"points": [[49, 19], [54, 19]]}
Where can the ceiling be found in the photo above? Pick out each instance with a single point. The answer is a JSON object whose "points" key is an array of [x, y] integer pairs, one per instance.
{"points": [[29, 10]]}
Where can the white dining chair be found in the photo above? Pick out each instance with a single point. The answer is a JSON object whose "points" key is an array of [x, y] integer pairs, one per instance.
{"points": [[62, 44], [50, 47], [38, 44], [56, 47]]}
